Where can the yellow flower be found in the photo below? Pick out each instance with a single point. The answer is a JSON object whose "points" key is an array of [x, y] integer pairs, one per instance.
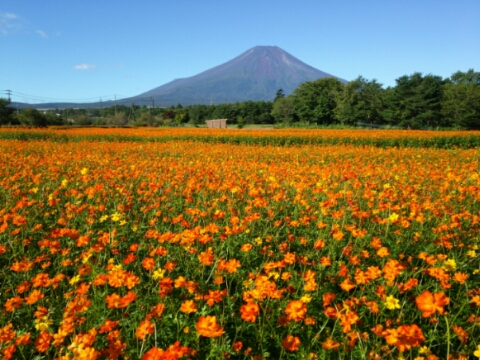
{"points": [[86, 257], [247, 283], [258, 241], [393, 217], [103, 218], [74, 280], [34, 190], [274, 274], [116, 216], [424, 350], [449, 265], [306, 299], [43, 324], [84, 171], [158, 274], [186, 330], [391, 303], [64, 182], [476, 353], [117, 267], [122, 223], [471, 253]]}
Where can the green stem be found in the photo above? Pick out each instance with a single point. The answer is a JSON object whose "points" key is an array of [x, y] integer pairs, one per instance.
{"points": [[448, 338]]}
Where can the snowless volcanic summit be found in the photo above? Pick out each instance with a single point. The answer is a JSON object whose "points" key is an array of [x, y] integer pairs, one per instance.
{"points": [[254, 75]]}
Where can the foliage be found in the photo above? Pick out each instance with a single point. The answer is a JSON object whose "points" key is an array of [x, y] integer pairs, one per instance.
{"points": [[359, 101], [279, 95], [6, 112], [33, 117], [283, 110], [315, 101]]}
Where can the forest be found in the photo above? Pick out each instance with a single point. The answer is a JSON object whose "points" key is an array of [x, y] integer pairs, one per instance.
{"points": [[417, 101]]}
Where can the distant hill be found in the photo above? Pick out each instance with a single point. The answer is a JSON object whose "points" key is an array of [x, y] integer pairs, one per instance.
{"points": [[254, 75]]}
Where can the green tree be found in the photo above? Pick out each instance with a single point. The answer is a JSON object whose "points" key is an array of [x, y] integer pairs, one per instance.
{"points": [[283, 110], [118, 119], [467, 78], [6, 112], [360, 101], [316, 100], [279, 95], [417, 101], [83, 120], [31, 116], [461, 100], [53, 118]]}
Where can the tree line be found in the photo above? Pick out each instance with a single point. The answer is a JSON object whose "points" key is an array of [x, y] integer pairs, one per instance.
{"points": [[416, 101]]}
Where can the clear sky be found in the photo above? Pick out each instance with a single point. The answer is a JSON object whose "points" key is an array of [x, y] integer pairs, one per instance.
{"points": [[72, 50]]}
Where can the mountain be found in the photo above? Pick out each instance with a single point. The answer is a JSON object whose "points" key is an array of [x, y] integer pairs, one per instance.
{"points": [[254, 75]]}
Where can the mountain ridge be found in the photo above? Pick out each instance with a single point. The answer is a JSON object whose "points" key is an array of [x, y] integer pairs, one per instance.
{"points": [[256, 74]]}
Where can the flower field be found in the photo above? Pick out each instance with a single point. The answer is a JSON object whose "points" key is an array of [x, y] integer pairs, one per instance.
{"points": [[151, 244]]}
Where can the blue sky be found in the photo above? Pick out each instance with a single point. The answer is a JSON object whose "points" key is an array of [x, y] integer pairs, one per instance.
{"points": [[70, 50]]}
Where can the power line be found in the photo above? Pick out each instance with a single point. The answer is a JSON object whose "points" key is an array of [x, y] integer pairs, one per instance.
{"points": [[38, 97]]}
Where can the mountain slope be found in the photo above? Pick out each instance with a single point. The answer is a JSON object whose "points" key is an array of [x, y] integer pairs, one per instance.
{"points": [[254, 75]]}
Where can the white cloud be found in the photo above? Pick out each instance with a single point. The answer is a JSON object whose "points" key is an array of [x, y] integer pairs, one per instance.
{"points": [[84, 67], [9, 22], [42, 34], [9, 16]]}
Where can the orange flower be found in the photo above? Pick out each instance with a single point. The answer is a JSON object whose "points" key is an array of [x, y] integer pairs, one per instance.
{"points": [[42, 343], [34, 296], [188, 307], [237, 346], [145, 328], [8, 352], [246, 247], [23, 339], [347, 285], [207, 326], [460, 277], [108, 326], [296, 310], [330, 344], [13, 303], [206, 257], [462, 334], [404, 337], [148, 263], [291, 343], [154, 354], [250, 311], [430, 303]]}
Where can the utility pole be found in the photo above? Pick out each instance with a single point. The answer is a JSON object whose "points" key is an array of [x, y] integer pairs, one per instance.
{"points": [[132, 111], [153, 104], [9, 92], [115, 105], [101, 105]]}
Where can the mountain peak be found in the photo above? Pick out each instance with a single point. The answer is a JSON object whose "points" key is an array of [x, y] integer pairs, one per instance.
{"points": [[256, 74]]}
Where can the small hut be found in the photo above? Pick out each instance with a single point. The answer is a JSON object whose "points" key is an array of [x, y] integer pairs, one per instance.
{"points": [[216, 124]]}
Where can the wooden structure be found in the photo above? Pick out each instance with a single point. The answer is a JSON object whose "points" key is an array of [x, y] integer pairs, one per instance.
{"points": [[216, 124]]}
